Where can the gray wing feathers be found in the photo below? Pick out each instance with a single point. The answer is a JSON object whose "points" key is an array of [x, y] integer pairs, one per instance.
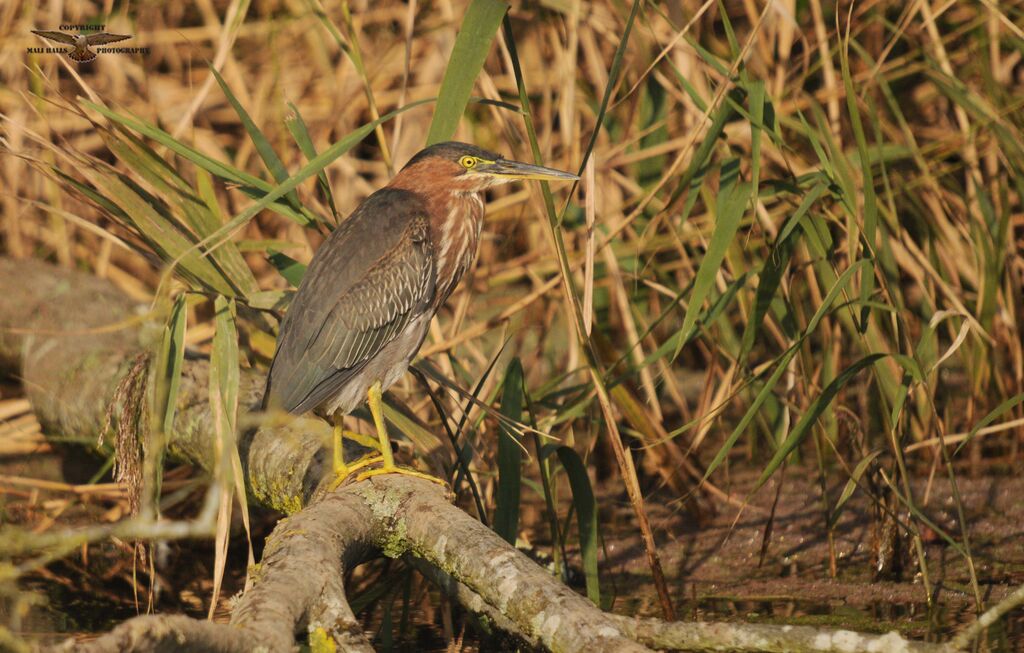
{"points": [[376, 308], [388, 290], [373, 276]]}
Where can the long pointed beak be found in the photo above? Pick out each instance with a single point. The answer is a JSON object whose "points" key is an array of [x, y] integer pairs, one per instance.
{"points": [[516, 170]]}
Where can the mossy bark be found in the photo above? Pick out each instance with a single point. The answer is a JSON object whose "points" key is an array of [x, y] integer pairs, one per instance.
{"points": [[56, 333], [59, 333]]}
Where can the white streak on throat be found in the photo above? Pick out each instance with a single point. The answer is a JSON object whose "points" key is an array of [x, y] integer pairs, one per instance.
{"points": [[460, 237]]}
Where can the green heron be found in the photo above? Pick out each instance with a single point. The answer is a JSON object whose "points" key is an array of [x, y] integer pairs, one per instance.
{"points": [[366, 301]]}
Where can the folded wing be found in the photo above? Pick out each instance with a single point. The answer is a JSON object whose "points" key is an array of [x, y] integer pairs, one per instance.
{"points": [[370, 279]]}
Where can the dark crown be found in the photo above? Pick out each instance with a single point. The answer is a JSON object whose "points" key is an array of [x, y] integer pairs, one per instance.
{"points": [[452, 151]]}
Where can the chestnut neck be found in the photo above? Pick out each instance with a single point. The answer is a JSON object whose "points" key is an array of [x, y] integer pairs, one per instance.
{"points": [[435, 181], [456, 216]]}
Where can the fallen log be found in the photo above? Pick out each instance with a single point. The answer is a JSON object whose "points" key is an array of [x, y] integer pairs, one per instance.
{"points": [[56, 333]]}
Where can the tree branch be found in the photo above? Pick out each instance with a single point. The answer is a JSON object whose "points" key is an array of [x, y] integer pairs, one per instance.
{"points": [[55, 330]]}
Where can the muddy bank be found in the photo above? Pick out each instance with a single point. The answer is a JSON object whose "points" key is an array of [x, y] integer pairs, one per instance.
{"points": [[716, 569]]}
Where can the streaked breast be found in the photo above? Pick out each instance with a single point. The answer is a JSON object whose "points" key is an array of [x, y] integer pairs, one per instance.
{"points": [[457, 239]]}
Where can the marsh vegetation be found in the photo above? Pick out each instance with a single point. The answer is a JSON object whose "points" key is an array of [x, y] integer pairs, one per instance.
{"points": [[763, 363]]}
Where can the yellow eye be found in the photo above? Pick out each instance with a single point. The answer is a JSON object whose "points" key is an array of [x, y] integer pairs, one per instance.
{"points": [[467, 162]]}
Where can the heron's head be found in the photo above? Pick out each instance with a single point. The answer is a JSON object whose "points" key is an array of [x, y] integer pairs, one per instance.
{"points": [[464, 168]]}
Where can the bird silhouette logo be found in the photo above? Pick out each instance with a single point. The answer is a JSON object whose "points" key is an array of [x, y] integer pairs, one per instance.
{"points": [[80, 50]]}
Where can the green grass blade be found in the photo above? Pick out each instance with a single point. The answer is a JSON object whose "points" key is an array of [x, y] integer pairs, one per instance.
{"points": [[613, 79], [679, 339], [472, 45], [316, 165], [730, 35], [765, 392], [164, 238], [229, 256], [224, 379], [586, 514], [297, 128], [198, 215], [807, 420], [870, 216], [252, 186], [166, 381], [697, 168], [756, 98], [289, 268], [101, 200], [510, 457], [263, 147], [270, 300], [218, 168], [805, 205], [544, 468], [733, 196], [169, 362], [840, 286], [988, 419], [752, 412], [224, 373], [768, 284], [851, 485]]}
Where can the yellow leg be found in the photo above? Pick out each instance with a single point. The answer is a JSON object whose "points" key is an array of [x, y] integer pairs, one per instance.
{"points": [[340, 468], [368, 441], [376, 403], [343, 470]]}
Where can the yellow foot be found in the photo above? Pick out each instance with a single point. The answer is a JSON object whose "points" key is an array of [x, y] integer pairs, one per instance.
{"points": [[404, 471], [343, 473], [376, 404], [368, 441], [365, 461]]}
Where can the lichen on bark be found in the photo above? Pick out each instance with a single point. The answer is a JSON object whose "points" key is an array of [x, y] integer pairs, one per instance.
{"points": [[49, 334]]}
